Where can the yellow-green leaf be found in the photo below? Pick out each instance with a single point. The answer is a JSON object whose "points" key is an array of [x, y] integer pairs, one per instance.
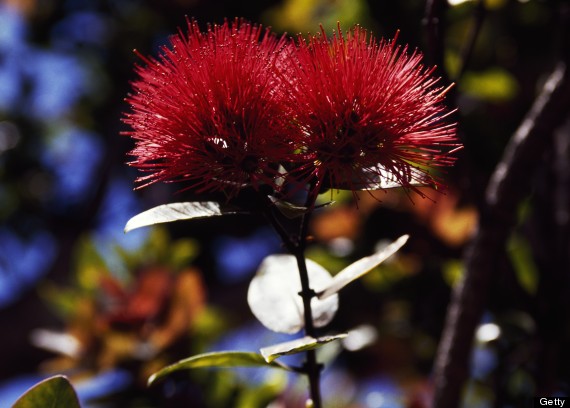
{"points": [[52, 392], [217, 359], [494, 85]]}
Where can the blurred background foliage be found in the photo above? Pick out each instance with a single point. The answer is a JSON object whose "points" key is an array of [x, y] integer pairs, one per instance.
{"points": [[79, 297]]}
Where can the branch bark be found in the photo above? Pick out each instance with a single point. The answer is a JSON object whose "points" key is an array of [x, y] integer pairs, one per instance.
{"points": [[435, 34], [478, 18], [509, 184]]}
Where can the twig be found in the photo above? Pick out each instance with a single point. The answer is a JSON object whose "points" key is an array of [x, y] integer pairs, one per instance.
{"points": [[508, 185], [435, 33], [313, 368], [478, 17], [548, 233]]}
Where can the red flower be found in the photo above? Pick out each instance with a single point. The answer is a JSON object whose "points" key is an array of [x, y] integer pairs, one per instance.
{"points": [[209, 111], [371, 114]]}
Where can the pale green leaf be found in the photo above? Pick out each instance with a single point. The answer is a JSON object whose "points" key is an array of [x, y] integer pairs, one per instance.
{"points": [[270, 353], [179, 211], [53, 392], [361, 267], [217, 359], [273, 294]]}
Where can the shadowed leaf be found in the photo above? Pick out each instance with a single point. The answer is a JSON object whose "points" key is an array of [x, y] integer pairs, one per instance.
{"points": [[292, 211], [52, 392]]}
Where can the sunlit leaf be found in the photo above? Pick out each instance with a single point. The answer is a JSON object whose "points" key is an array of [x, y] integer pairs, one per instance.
{"points": [[52, 392], [270, 353], [361, 267], [179, 211], [336, 196], [273, 294], [217, 359], [381, 178]]}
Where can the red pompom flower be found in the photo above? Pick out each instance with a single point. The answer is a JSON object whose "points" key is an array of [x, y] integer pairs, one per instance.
{"points": [[209, 112], [372, 117]]}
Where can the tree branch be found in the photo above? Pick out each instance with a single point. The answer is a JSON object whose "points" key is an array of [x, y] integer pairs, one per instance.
{"points": [[435, 33], [508, 185], [478, 18]]}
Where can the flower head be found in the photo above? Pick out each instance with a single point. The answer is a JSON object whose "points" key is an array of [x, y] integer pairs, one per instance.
{"points": [[208, 111], [371, 114]]}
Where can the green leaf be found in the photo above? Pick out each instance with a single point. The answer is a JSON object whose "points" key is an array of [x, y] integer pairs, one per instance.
{"points": [[53, 392], [179, 211], [182, 252], [361, 267], [494, 85], [270, 353], [217, 359], [520, 254]]}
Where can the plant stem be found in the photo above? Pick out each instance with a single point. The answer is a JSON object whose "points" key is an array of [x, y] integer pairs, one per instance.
{"points": [[313, 368], [307, 294], [297, 248]]}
